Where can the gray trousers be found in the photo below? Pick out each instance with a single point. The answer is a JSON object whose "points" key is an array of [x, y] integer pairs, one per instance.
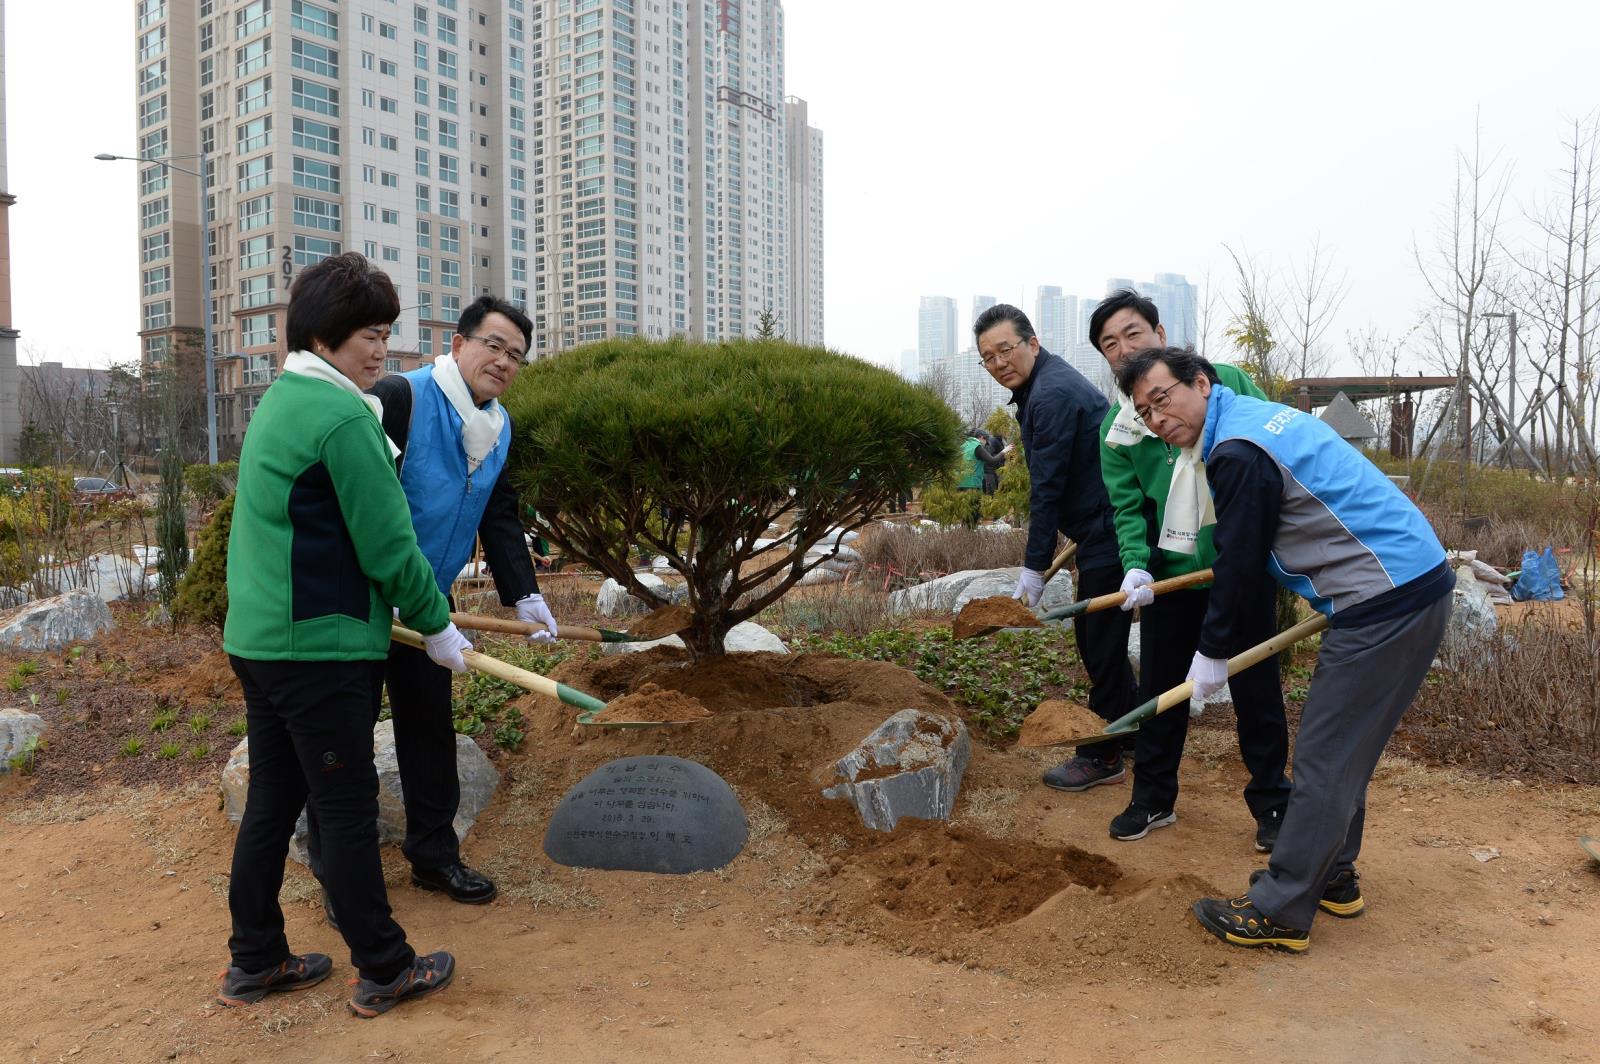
{"points": [[1366, 679]]}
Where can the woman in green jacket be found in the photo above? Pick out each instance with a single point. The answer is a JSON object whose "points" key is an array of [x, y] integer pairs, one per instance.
{"points": [[321, 549]]}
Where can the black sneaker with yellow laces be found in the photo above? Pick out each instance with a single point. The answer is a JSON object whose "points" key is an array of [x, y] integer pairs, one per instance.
{"points": [[1239, 923]]}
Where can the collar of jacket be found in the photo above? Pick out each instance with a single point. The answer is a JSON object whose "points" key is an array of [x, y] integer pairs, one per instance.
{"points": [[1217, 404], [1019, 398]]}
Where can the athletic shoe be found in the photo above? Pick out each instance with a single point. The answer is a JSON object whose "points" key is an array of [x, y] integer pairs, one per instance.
{"points": [[425, 975], [1341, 897], [1239, 923], [240, 987], [1267, 828], [1081, 773], [1135, 822]]}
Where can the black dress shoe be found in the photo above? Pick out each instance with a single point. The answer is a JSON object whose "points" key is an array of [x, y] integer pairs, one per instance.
{"points": [[327, 911], [458, 881]]}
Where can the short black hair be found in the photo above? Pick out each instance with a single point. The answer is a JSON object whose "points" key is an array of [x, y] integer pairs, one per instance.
{"points": [[999, 314], [333, 298], [486, 305], [1182, 362], [1121, 299]]}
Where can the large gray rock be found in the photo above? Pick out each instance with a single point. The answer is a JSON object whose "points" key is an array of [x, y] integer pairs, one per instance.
{"points": [[52, 623], [16, 728], [950, 593], [1218, 697], [478, 781], [614, 600], [911, 765], [111, 576], [744, 637], [1473, 622]]}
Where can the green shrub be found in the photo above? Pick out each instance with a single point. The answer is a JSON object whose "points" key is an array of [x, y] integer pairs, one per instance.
{"points": [[210, 484], [203, 594], [691, 450]]}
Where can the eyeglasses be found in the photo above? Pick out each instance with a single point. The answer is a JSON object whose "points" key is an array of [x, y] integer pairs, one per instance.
{"points": [[1159, 401], [1001, 352], [499, 349]]}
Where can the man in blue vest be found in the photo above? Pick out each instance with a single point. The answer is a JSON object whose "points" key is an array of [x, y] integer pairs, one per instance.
{"points": [[453, 437], [1294, 500]]}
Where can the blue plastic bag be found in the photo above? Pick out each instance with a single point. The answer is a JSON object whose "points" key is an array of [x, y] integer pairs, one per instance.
{"points": [[1540, 579]]}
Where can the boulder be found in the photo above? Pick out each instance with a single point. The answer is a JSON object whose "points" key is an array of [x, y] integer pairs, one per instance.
{"points": [[16, 728], [52, 623], [478, 781], [743, 638], [819, 576], [1472, 621], [950, 593], [1217, 697], [1058, 592], [614, 600], [911, 765], [111, 576]]}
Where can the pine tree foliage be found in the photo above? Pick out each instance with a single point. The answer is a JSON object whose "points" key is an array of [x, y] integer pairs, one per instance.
{"points": [[203, 592]]}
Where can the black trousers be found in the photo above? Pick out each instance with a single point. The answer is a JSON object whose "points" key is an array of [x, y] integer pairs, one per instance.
{"points": [[425, 747], [310, 732], [1103, 646], [1169, 634]]}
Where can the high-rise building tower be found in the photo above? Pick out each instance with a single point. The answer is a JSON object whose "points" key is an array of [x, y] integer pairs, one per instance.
{"points": [[979, 305], [1050, 318], [804, 323], [615, 167], [936, 330], [1174, 298]]}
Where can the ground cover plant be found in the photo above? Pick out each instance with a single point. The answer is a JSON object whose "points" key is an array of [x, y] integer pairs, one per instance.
{"points": [[693, 450]]}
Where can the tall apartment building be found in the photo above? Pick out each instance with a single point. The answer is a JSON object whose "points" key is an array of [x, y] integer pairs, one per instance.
{"points": [[1175, 300], [979, 305], [804, 324], [616, 167], [936, 330]]}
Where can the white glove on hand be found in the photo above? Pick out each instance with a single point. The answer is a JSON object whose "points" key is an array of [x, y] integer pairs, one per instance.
{"points": [[1030, 587], [445, 647], [1209, 675], [531, 609], [1136, 585]]}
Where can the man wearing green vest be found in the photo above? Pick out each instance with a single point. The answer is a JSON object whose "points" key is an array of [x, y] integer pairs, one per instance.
{"points": [[970, 485], [1164, 523]]}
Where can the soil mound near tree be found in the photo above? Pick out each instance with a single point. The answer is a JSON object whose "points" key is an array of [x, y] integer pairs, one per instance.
{"points": [[996, 611], [653, 704], [661, 622], [1058, 721]]}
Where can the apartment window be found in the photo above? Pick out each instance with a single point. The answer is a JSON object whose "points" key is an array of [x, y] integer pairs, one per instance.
{"points": [[152, 111], [449, 308], [419, 19], [208, 70], [424, 200], [154, 144], [310, 250], [448, 170], [255, 253], [254, 134], [421, 126], [419, 55], [388, 32], [425, 342], [252, 57], [252, 18], [152, 43], [368, 23], [447, 64], [388, 142], [255, 213], [151, 11], [447, 28], [448, 99], [255, 291], [450, 238], [450, 273], [388, 180], [316, 175], [313, 18], [391, 254], [390, 217], [422, 160], [388, 68], [316, 136], [419, 90], [155, 246], [424, 237], [316, 214], [153, 179], [368, 98], [424, 269], [314, 96], [208, 36], [447, 133], [158, 281], [253, 96], [449, 203], [257, 330], [255, 173], [158, 315], [388, 105], [313, 58]]}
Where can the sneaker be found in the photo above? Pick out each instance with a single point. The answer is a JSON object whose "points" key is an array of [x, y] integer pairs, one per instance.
{"points": [[1239, 923], [240, 987], [425, 975], [1081, 773], [1267, 829], [1341, 897], [1135, 822]]}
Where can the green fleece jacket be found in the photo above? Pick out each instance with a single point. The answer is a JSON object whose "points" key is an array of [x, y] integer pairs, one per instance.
{"points": [[1137, 479], [322, 542]]}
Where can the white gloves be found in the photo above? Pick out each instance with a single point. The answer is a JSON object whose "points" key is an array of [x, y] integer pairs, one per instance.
{"points": [[1209, 675], [1030, 587], [531, 609], [445, 647], [1136, 585]]}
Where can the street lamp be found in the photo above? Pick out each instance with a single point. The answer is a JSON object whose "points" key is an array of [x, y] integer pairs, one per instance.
{"points": [[205, 281]]}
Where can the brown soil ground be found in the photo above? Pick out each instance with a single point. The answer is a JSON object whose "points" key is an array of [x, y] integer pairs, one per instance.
{"points": [[996, 611], [1058, 721], [661, 622], [1020, 932], [653, 704]]}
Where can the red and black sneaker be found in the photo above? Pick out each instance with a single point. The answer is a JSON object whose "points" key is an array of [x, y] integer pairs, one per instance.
{"points": [[425, 975], [240, 987]]}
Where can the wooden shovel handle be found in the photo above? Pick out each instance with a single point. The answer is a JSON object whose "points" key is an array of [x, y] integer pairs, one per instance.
{"points": [[1068, 552], [501, 670], [1160, 587], [509, 626]]}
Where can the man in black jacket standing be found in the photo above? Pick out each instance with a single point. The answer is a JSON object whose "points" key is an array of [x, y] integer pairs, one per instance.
{"points": [[1060, 414]]}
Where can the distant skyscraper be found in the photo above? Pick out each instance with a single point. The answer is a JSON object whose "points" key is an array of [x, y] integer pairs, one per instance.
{"points": [[908, 363], [1174, 298], [1050, 318], [936, 330], [979, 305], [804, 325]]}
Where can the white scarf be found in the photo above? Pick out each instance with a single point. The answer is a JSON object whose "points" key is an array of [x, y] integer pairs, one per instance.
{"points": [[1189, 506], [309, 365], [1126, 429], [480, 426]]}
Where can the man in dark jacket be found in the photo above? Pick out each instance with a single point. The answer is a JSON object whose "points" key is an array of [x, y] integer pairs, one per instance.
{"points": [[1060, 413]]}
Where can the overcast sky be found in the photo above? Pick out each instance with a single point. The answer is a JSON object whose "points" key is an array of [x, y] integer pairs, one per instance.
{"points": [[974, 147]]}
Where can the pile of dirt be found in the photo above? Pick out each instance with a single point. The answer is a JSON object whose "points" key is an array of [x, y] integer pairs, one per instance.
{"points": [[996, 611], [653, 704], [661, 622], [1058, 721]]}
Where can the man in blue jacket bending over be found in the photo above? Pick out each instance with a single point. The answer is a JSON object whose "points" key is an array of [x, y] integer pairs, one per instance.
{"points": [[1294, 500], [453, 437], [1060, 412]]}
